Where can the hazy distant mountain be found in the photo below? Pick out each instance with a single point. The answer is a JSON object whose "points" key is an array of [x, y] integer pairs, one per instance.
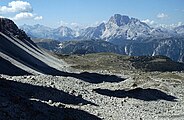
{"points": [[130, 34], [63, 33], [39, 31], [118, 29], [92, 32]]}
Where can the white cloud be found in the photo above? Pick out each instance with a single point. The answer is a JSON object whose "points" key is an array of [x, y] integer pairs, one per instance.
{"points": [[148, 21], [179, 10], [104, 21], [38, 18], [20, 9], [162, 16], [23, 15], [62, 23], [26, 15], [16, 6], [170, 26], [176, 25], [96, 23], [74, 24]]}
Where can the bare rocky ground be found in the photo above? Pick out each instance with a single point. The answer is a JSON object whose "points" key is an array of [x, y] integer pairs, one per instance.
{"points": [[84, 96]]}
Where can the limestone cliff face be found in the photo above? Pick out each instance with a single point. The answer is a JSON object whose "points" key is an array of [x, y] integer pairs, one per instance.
{"points": [[170, 47]]}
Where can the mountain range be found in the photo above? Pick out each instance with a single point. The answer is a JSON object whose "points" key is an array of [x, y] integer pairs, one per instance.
{"points": [[133, 37], [118, 27], [40, 31]]}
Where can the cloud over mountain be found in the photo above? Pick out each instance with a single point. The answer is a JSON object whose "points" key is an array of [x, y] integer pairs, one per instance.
{"points": [[16, 6], [149, 22], [162, 15], [20, 10]]}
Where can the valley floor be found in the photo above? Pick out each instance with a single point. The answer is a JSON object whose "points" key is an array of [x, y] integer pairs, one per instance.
{"points": [[84, 96]]}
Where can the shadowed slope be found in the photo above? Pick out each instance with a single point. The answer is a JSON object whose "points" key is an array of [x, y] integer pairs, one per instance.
{"points": [[25, 101], [17, 48], [138, 93], [95, 77], [9, 69]]}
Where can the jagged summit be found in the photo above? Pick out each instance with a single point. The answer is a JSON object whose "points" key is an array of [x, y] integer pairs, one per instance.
{"points": [[6, 24], [119, 19], [64, 31], [122, 20], [9, 28]]}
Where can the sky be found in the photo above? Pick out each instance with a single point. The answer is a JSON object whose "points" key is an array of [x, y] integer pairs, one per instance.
{"points": [[54, 13]]}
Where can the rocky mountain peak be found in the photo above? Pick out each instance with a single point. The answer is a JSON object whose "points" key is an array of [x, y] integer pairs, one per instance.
{"points": [[64, 28], [65, 31], [9, 28], [7, 25], [101, 27], [119, 19]]}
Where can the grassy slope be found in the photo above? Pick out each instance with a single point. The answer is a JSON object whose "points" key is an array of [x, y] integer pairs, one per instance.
{"points": [[117, 63], [98, 61]]}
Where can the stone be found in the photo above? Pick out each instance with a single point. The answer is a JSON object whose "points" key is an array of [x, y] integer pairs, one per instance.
{"points": [[50, 101]]}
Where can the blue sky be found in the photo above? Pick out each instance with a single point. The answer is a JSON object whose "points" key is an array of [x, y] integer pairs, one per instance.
{"points": [[54, 13]]}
